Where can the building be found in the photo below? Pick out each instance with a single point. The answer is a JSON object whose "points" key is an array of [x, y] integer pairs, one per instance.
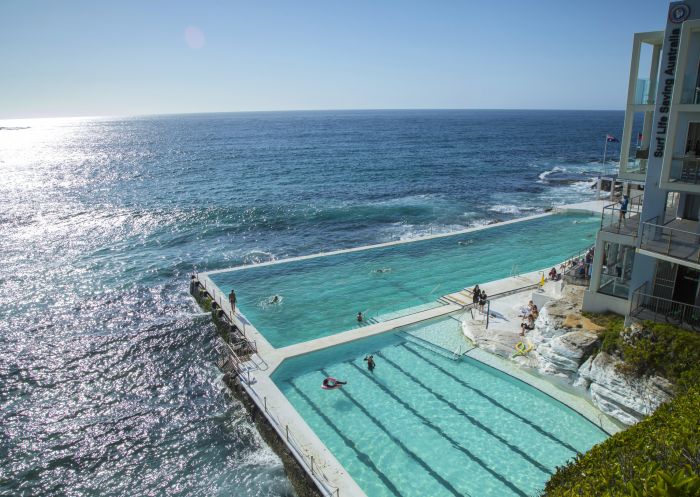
{"points": [[647, 264]]}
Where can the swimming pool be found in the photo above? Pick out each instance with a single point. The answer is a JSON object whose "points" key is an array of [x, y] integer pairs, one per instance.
{"points": [[424, 424], [321, 296]]}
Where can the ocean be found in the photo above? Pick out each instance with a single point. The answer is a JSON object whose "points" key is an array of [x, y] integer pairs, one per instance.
{"points": [[108, 383]]}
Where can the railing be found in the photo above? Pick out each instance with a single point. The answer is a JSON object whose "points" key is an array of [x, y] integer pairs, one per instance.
{"points": [[577, 271], [664, 310], [636, 166], [617, 286], [685, 170], [673, 242], [612, 218], [642, 92], [233, 363], [308, 461]]}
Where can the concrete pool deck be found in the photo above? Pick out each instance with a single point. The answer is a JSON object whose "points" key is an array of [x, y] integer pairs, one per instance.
{"points": [[311, 453]]}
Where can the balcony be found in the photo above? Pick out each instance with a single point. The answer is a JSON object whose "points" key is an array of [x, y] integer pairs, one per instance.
{"points": [[677, 238], [685, 170], [612, 221], [662, 310]]}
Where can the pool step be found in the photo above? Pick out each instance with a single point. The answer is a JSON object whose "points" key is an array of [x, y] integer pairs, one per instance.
{"points": [[432, 347], [368, 322]]}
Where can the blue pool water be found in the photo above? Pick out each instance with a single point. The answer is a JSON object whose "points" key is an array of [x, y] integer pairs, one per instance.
{"points": [[321, 296], [423, 424]]}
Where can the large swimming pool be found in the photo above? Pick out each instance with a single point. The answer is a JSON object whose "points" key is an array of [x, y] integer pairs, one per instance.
{"points": [[321, 296], [423, 424]]}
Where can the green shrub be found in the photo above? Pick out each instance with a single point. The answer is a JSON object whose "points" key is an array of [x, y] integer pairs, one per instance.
{"points": [[658, 457], [661, 349]]}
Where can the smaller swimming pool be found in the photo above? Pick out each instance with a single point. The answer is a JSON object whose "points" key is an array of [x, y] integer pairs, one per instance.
{"points": [[423, 424], [320, 296]]}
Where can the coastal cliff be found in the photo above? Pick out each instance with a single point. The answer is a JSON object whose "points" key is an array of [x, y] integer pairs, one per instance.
{"points": [[567, 345]]}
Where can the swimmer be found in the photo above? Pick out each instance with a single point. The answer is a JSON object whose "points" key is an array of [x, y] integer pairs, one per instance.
{"points": [[370, 363], [465, 242], [272, 300], [330, 383], [382, 270], [360, 317]]}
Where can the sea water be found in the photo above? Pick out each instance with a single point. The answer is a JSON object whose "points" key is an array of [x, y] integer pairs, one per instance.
{"points": [[107, 377]]}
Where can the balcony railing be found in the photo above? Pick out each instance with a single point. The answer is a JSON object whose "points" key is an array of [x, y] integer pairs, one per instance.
{"points": [[641, 92], [659, 309], [611, 219], [636, 166], [690, 95], [685, 170], [617, 286], [673, 242]]}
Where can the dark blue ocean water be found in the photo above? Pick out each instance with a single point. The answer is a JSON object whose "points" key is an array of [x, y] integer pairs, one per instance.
{"points": [[107, 377]]}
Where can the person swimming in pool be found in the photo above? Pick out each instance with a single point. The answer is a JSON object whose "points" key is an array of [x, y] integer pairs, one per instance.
{"points": [[370, 363], [331, 383], [360, 317]]}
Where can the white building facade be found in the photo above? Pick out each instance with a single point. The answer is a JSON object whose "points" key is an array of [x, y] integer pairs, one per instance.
{"points": [[647, 262]]}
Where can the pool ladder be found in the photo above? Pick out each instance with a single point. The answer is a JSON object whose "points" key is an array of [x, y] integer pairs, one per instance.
{"points": [[368, 322]]}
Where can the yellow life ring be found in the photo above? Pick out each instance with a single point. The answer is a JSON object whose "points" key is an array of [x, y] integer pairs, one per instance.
{"points": [[522, 349]]}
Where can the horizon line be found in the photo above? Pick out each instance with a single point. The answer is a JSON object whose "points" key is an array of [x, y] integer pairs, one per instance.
{"points": [[363, 109]]}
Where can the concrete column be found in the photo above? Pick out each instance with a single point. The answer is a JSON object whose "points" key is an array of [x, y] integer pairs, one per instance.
{"points": [[599, 185], [597, 264], [612, 189]]}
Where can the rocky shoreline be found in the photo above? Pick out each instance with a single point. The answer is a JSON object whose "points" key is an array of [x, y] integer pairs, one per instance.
{"points": [[565, 344]]}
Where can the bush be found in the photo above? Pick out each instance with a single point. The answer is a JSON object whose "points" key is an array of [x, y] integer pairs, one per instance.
{"points": [[659, 349], [658, 457]]}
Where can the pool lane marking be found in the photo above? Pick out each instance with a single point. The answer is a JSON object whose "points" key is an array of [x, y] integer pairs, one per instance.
{"points": [[473, 420], [398, 442], [442, 433], [495, 402], [364, 458]]}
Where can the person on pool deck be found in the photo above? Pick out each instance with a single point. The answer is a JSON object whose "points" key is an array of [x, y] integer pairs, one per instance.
{"points": [[482, 300], [370, 363], [476, 293], [527, 326], [232, 301], [360, 318]]}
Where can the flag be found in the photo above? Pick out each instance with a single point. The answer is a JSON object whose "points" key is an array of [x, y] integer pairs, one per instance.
{"points": [[611, 139]]}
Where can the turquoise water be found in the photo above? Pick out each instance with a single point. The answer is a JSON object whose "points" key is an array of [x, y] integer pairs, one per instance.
{"points": [[322, 295], [423, 424]]}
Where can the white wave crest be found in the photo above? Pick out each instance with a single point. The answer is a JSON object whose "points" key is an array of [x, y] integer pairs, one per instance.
{"points": [[557, 169], [506, 209]]}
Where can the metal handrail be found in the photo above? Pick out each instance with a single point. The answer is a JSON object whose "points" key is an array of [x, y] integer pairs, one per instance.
{"points": [[308, 460], [668, 231], [671, 310]]}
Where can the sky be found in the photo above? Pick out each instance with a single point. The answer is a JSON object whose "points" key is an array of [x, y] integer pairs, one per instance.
{"points": [[100, 58]]}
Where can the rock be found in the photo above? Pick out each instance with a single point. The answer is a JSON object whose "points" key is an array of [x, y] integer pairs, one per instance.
{"points": [[622, 397], [563, 355]]}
